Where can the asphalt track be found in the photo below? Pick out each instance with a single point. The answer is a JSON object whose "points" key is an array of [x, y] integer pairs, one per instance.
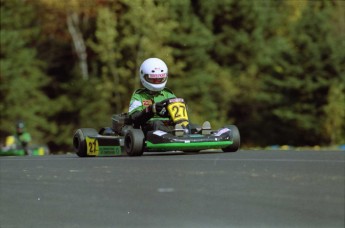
{"points": [[210, 189]]}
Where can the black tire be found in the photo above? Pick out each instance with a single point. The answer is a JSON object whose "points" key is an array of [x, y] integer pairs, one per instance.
{"points": [[134, 142], [236, 138], [79, 142]]}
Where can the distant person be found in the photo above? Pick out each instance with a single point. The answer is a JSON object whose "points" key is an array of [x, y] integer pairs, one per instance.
{"points": [[22, 137]]}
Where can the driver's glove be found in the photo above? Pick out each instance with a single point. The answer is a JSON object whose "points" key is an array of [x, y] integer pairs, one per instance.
{"points": [[160, 108]]}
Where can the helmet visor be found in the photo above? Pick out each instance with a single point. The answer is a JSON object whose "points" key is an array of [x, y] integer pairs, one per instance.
{"points": [[156, 78]]}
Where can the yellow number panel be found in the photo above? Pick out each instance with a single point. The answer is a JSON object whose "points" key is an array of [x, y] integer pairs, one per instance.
{"points": [[92, 146], [178, 112]]}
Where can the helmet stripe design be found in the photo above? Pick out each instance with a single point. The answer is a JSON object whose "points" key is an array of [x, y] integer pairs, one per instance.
{"points": [[157, 75]]}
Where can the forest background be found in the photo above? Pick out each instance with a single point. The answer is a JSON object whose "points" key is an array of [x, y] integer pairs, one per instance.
{"points": [[274, 68]]}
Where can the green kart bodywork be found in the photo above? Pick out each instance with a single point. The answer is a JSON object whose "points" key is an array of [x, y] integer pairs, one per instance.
{"points": [[188, 146], [38, 151]]}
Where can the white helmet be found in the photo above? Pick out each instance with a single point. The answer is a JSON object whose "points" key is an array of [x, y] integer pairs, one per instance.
{"points": [[153, 74]]}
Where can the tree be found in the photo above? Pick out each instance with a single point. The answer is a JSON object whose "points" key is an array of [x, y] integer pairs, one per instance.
{"points": [[201, 81], [22, 74], [334, 111], [74, 14], [246, 42], [144, 28], [305, 72]]}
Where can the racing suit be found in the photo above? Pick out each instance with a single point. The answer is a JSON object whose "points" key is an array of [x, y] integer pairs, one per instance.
{"points": [[22, 140], [140, 109]]}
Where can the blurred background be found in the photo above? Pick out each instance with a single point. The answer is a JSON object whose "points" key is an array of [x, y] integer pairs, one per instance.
{"points": [[276, 69]]}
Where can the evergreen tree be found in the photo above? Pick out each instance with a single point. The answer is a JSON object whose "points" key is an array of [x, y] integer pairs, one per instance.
{"points": [[22, 74], [144, 29], [109, 87], [202, 81], [304, 74], [246, 42]]}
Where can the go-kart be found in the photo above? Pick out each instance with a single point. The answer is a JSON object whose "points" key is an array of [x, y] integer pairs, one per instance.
{"points": [[11, 149], [35, 151], [123, 139]]}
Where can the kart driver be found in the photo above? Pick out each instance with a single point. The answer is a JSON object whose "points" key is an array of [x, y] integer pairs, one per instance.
{"points": [[22, 137], [147, 105], [146, 108]]}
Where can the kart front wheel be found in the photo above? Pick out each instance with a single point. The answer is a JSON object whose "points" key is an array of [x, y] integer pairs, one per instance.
{"points": [[134, 142], [79, 142], [236, 139]]}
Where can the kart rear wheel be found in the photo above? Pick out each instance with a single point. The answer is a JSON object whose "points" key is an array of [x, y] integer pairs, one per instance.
{"points": [[79, 142], [134, 142], [235, 138]]}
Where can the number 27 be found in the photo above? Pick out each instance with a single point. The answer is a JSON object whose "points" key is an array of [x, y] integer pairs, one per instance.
{"points": [[177, 110]]}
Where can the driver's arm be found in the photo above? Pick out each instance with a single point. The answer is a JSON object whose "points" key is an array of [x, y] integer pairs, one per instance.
{"points": [[141, 117]]}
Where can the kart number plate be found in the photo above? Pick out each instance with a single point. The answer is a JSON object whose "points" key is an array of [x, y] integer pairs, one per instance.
{"points": [[178, 112], [92, 146]]}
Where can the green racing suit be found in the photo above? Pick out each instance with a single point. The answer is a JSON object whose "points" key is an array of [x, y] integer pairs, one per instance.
{"points": [[22, 140], [141, 100]]}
